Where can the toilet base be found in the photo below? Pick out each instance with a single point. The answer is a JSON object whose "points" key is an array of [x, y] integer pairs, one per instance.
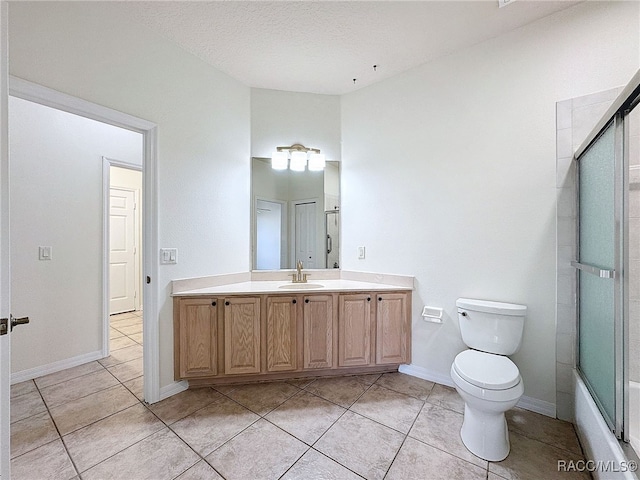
{"points": [[485, 434]]}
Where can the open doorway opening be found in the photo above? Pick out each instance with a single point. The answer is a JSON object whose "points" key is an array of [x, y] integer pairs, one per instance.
{"points": [[86, 339], [123, 219]]}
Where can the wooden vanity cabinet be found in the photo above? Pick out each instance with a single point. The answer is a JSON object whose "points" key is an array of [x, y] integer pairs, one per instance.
{"points": [[241, 335], [393, 328], [241, 338], [318, 334], [282, 333], [354, 336], [196, 336]]}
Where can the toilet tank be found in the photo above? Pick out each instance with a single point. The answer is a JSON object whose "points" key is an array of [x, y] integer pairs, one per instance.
{"points": [[493, 327]]}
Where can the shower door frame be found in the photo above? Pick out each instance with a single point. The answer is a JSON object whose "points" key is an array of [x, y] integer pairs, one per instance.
{"points": [[618, 275], [618, 113]]}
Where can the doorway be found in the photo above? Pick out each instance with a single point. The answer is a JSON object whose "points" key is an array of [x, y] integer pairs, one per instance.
{"points": [[147, 134]]}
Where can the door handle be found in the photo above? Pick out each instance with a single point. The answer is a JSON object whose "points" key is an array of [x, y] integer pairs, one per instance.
{"points": [[7, 324], [18, 321]]}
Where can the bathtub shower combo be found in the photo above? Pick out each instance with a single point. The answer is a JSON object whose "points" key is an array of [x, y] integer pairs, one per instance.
{"points": [[607, 267]]}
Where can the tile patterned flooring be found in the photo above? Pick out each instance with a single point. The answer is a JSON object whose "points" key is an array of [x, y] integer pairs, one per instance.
{"points": [[90, 422]]}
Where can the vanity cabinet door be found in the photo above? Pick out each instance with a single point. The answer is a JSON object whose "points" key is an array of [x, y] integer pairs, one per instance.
{"points": [[318, 331], [393, 328], [282, 319], [197, 337], [241, 335], [354, 337]]}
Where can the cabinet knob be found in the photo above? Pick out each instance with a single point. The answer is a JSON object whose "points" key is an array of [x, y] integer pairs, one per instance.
{"points": [[294, 301], [379, 299], [306, 300], [214, 303], [368, 299], [226, 303]]}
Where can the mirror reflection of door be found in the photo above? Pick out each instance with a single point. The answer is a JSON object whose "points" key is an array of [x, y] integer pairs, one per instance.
{"points": [[332, 225], [305, 238], [268, 234]]}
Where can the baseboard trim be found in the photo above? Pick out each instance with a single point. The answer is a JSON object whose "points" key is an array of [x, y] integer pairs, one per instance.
{"points": [[425, 374], [54, 367], [528, 403], [173, 388], [539, 406]]}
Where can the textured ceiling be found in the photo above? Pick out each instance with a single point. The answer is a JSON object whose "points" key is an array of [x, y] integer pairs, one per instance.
{"points": [[320, 47]]}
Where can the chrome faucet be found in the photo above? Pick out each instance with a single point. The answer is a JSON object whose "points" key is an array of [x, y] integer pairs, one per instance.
{"points": [[299, 277]]}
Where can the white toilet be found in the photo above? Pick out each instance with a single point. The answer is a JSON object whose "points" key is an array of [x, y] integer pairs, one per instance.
{"points": [[488, 382]]}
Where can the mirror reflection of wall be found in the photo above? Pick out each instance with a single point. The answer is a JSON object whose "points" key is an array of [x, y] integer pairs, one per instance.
{"points": [[295, 217]]}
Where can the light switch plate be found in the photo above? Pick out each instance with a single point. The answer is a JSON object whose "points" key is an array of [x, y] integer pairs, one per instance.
{"points": [[44, 253], [168, 256], [360, 253]]}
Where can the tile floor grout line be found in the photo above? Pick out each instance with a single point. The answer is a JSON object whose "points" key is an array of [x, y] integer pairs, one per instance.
{"points": [[55, 425], [401, 393], [220, 446], [118, 452], [450, 453], [202, 458], [334, 460], [406, 435], [71, 378], [355, 413], [297, 460]]}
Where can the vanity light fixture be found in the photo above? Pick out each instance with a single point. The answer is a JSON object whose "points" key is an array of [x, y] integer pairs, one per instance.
{"points": [[298, 161], [317, 162], [279, 160], [299, 155]]}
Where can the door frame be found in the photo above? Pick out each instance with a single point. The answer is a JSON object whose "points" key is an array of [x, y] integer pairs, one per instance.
{"points": [[107, 163], [33, 92], [5, 258]]}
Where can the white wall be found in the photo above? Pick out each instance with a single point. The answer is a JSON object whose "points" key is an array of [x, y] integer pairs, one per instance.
{"points": [[448, 174], [56, 201], [93, 51], [283, 118]]}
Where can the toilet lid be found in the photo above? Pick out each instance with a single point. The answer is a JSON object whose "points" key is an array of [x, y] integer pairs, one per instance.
{"points": [[486, 370]]}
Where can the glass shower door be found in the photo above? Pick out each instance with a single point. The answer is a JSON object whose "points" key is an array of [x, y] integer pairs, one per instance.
{"points": [[599, 251]]}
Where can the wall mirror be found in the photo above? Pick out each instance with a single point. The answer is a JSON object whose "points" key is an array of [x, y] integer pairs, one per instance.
{"points": [[295, 216]]}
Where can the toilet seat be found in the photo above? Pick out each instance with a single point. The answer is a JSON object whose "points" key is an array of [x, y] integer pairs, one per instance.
{"points": [[486, 370]]}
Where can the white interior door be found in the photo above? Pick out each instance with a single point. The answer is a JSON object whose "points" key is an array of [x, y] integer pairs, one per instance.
{"points": [[305, 235], [122, 279], [5, 270]]}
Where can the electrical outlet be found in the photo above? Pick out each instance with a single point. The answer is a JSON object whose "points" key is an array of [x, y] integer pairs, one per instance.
{"points": [[361, 253]]}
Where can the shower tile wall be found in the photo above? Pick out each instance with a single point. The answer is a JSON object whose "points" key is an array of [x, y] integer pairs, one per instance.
{"points": [[634, 245], [574, 120]]}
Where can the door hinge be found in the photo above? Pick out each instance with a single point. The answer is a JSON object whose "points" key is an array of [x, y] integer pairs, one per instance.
{"points": [[4, 326]]}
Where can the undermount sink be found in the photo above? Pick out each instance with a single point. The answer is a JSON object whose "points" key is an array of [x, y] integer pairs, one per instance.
{"points": [[301, 286]]}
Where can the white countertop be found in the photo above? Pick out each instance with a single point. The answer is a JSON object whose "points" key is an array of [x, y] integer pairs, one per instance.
{"points": [[274, 286]]}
